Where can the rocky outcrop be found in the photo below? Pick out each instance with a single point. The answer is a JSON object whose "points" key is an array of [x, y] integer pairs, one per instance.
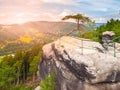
{"points": [[80, 64]]}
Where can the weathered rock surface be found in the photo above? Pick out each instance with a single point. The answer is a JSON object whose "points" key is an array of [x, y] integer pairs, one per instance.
{"points": [[37, 88], [80, 64]]}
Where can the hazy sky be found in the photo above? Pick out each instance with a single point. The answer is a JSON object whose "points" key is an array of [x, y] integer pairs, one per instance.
{"points": [[19, 11]]}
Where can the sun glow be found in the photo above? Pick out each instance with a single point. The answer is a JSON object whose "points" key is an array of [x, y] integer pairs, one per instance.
{"points": [[21, 18], [20, 21]]}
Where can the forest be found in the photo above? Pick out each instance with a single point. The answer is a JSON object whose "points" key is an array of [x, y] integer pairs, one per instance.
{"points": [[19, 68]]}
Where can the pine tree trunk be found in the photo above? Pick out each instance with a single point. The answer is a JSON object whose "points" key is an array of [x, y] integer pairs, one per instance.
{"points": [[24, 75], [18, 80], [33, 77], [78, 26]]}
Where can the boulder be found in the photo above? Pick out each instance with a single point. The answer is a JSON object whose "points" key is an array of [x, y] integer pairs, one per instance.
{"points": [[80, 64]]}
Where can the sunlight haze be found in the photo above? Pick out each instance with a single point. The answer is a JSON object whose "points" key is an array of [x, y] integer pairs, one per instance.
{"points": [[20, 11]]}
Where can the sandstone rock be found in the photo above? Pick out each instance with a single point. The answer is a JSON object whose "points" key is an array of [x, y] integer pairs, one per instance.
{"points": [[37, 88], [80, 64]]}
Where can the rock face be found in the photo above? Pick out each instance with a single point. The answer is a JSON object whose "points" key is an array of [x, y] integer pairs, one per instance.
{"points": [[80, 64]]}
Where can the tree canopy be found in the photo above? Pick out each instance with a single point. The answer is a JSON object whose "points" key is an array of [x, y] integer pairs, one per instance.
{"points": [[79, 18]]}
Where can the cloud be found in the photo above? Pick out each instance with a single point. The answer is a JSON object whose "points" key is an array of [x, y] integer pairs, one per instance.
{"points": [[100, 20], [22, 17], [101, 9], [64, 2], [100, 4], [56, 16], [53, 10]]}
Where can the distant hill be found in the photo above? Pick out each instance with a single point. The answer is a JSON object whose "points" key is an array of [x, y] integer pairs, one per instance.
{"points": [[36, 28], [99, 24], [15, 31], [19, 36]]}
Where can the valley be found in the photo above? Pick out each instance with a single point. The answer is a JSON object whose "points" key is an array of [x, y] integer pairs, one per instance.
{"points": [[23, 36]]}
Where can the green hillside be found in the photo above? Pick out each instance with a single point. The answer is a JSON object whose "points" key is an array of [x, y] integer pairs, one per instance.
{"points": [[13, 32], [23, 36]]}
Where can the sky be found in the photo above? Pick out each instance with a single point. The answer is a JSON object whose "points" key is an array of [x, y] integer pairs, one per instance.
{"points": [[20, 11]]}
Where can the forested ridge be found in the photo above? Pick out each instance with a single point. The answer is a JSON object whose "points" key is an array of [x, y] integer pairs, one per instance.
{"points": [[112, 25], [22, 36], [32, 29], [19, 68]]}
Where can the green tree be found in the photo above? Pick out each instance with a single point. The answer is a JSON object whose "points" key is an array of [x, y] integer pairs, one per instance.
{"points": [[7, 75], [49, 82], [34, 66]]}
